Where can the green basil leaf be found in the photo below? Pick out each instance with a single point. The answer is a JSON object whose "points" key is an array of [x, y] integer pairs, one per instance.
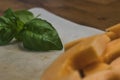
{"points": [[10, 26], [9, 13], [6, 35], [12, 20], [19, 28], [24, 15], [41, 36]]}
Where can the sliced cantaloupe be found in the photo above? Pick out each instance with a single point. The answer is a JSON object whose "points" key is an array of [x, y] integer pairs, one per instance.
{"points": [[112, 51], [72, 43], [115, 29], [95, 67], [59, 70], [103, 75], [112, 35], [116, 71], [113, 32], [75, 42], [77, 57], [69, 45], [73, 76], [115, 64], [87, 51]]}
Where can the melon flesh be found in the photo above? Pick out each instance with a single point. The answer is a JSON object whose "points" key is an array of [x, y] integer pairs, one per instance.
{"points": [[73, 76], [115, 29], [112, 35], [76, 58], [112, 51], [72, 43], [103, 75], [87, 51], [116, 63], [95, 67]]}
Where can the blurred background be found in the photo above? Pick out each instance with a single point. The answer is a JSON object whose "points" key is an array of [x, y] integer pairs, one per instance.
{"points": [[99, 14]]}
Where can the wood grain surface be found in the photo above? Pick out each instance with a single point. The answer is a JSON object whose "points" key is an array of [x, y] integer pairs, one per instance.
{"points": [[83, 12]]}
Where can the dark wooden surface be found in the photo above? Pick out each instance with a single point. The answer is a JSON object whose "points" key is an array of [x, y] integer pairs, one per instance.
{"points": [[83, 12]]}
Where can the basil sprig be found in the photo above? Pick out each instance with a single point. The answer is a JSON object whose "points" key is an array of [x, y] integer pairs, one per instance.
{"points": [[9, 26], [35, 33]]}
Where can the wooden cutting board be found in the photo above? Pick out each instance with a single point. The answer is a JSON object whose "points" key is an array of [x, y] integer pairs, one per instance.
{"points": [[102, 1]]}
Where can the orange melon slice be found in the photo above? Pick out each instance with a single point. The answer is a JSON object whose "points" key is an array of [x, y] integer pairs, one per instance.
{"points": [[76, 58]]}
